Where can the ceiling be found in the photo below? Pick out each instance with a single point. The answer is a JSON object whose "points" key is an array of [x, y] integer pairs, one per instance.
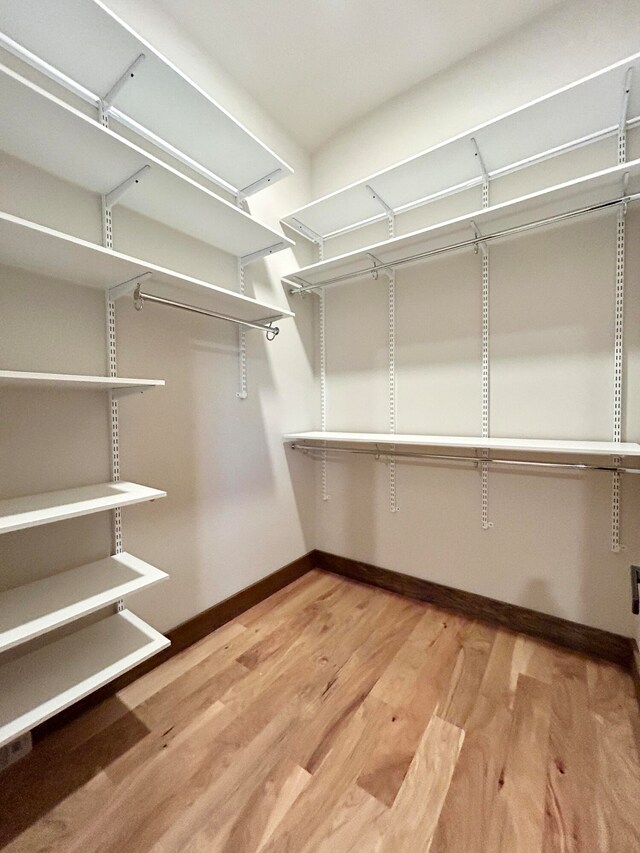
{"points": [[316, 65]]}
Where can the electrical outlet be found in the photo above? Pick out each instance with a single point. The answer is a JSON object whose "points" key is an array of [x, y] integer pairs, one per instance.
{"points": [[14, 751]]}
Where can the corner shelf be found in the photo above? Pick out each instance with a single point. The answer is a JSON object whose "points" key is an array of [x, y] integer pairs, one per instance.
{"points": [[34, 510], [593, 189], [51, 135], [87, 48], [34, 609], [23, 379], [51, 253], [39, 684], [574, 115], [515, 445]]}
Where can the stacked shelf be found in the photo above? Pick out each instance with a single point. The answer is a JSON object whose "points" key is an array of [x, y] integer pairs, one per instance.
{"points": [[52, 253], [38, 685], [583, 112], [591, 190], [25, 379], [84, 46], [515, 445], [48, 133], [35, 608]]}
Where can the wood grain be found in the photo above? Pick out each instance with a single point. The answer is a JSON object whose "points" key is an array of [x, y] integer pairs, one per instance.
{"points": [[338, 717]]}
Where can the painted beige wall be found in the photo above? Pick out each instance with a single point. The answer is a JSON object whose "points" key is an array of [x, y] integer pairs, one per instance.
{"points": [[552, 302], [237, 508]]}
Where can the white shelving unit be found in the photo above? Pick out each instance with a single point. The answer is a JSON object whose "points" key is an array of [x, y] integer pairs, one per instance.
{"points": [[61, 140], [45, 508], [583, 112], [514, 445], [41, 683], [34, 609], [25, 379], [42, 250], [591, 190], [84, 46]]}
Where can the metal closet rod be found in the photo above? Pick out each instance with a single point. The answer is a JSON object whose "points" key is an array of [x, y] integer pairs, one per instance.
{"points": [[473, 241], [140, 298], [582, 466]]}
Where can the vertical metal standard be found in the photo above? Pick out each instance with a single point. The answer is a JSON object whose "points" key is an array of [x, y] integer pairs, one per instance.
{"points": [[393, 502], [484, 471], [618, 343], [242, 342], [323, 377]]}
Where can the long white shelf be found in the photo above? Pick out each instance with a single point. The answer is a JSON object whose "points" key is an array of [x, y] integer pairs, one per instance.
{"points": [[86, 47], [50, 134], [38, 685], [593, 189], [34, 510], [586, 109], [25, 379], [51, 253], [528, 445], [36, 608]]}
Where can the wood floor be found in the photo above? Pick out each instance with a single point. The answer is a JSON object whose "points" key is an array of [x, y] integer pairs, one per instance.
{"points": [[337, 717]]}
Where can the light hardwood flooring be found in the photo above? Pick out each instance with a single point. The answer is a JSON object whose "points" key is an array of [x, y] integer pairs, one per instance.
{"points": [[337, 717]]}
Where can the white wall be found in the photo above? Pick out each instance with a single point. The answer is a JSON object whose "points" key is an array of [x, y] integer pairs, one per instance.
{"points": [[552, 303], [237, 508]]}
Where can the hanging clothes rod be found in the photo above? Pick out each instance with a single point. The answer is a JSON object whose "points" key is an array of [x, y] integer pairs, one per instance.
{"points": [[463, 244], [581, 466], [140, 298]]}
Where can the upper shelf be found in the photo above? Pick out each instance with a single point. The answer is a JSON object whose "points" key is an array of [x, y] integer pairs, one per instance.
{"points": [[530, 445], [53, 136], [47, 252], [588, 109], [45, 508], [595, 189], [24, 379], [86, 47]]}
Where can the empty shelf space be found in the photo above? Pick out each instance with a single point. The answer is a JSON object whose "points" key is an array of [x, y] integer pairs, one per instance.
{"points": [[586, 109], [24, 379], [41, 683], [158, 101], [516, 445], [34, 510], [51, 253], [50, 134], [38, 607], [563, 199]]}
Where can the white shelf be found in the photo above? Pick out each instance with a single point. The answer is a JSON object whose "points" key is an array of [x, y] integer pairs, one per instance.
{"points": [[33, 510], [38, 685], [581, 192], [50, 134], [85, 44], [42, 250], [516, 445], [22, 379], [587, 108], [36, 608]]}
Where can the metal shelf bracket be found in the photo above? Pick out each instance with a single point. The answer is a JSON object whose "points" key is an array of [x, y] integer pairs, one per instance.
{"points": [[114, 196], [109, 99]]}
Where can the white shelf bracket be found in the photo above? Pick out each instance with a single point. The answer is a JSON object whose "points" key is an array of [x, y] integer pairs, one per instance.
{"points": [[310, 234], [262, 253], [387, 209], [114, 196], [109, 99], [256, 186], [323, 377], [127, 287], [242, 393]]}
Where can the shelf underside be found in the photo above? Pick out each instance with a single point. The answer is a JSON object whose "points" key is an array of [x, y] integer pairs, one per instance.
{"points": [[34, 510], [91, 46], [42, 250], [515, 445], [41, 683], [586, 108], [24, 379], [36, 608], [594, 189], [57, 138]]}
